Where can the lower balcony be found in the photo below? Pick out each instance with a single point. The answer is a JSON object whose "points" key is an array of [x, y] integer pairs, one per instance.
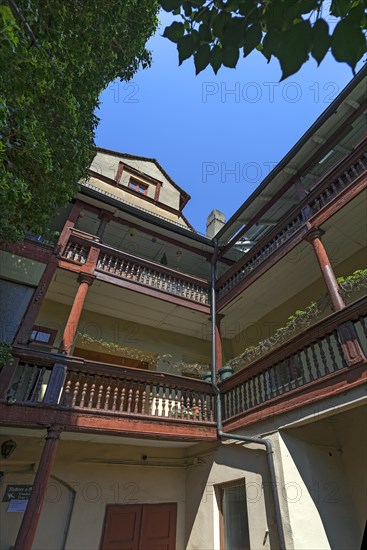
{"points": [[85, 396]]}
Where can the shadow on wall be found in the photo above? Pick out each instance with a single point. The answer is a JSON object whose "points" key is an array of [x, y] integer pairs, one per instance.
{"points": [[225, 464], [330, 457]]}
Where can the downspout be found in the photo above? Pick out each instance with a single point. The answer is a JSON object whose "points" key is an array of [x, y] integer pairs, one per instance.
{"points": [[246, 439]]}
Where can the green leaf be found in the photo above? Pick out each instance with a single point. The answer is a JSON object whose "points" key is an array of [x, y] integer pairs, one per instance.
{"points": [[348, 43], [219, 22], [186, 47], [174, 32], [271, 44], [187, 7], [205, 34], [253, 37], [170, 5], [201, 58], [233, 33], [216, 58], [294, 48], [340, 8], [230, 58], [321, 40]]}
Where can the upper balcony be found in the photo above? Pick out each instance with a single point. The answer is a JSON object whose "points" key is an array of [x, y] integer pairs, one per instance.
{"points": [[136, 273], [330, 193]]}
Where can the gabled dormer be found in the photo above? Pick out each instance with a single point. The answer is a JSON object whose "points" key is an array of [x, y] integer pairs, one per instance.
{"points": [[141, 182]]}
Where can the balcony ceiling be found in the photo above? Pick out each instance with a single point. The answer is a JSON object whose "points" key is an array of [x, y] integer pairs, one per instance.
{"points": [[94, 438], [345, 234], [120, 303]]}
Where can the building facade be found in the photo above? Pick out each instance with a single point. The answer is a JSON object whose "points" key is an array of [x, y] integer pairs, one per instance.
{"points": [[174, 390]]}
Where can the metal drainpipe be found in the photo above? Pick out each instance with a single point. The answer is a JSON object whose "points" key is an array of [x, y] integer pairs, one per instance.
{"points": [[246, 439]]}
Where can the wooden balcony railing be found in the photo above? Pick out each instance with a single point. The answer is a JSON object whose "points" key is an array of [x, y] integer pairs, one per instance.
{"points": [[137, 270], [100, 388], [326, 189], [153, 275], [306, 358], [76, 251]]}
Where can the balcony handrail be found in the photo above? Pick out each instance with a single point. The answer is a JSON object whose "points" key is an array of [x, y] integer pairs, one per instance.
{"points": [[320, 185], [77, 364], [297, 343], [85, 238]]}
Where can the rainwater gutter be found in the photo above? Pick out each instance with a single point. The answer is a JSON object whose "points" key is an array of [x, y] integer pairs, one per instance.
{"points": [[237, 437]]}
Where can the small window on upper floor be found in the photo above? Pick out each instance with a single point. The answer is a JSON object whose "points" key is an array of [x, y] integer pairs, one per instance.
{"points": [[138, 186], [43, 336]]}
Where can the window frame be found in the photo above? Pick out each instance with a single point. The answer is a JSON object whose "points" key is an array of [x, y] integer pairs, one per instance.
{"points": [[51, 331], [220, 496], [140, 185]]}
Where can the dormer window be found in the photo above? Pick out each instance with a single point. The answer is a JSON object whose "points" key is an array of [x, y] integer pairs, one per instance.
{"points": [[138, 186]]}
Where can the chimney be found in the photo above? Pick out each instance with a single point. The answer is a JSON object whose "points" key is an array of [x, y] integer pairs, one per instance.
{"points": [[214, 223]]}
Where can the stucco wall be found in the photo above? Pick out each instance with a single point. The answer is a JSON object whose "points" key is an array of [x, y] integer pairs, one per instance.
{"points": [[107, 165], [99, 474], [228, 463]]}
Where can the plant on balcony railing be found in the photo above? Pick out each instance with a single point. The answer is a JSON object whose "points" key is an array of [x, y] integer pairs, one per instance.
{"points": [[111, 347], [160, 362], [297, 322], [190, 413], [300, 320], [6, 356], [196, 370], [353, 283]]}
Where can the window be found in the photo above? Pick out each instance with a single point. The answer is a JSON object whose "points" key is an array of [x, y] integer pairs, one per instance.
{"points": [[234, 520], [43, 336], [139, 187]]}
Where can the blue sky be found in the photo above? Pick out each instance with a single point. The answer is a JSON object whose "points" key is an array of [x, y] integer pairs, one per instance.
{"points": [[217, 136]]}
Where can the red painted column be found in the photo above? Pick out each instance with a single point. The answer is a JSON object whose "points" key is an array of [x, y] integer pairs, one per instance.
{"points": [[32, 513], [85, 280], [347, 334], [313, 237]]}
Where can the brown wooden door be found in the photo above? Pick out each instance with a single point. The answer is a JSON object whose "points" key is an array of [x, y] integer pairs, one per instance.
{"points": [[140, 527], [158, 527], [121, 527]]}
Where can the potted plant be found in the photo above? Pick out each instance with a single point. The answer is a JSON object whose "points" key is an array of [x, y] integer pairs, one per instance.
{"points": [[225, 372]]}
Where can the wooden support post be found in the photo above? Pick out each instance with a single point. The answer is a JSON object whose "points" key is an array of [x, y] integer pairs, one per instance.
{"points": [[352, 350], [6, 374], [313, 237], [69, 225], [302, 194], [105, 218], [347, 334], [25, 329], [55, 384], [28, 527], [85, 280]]}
